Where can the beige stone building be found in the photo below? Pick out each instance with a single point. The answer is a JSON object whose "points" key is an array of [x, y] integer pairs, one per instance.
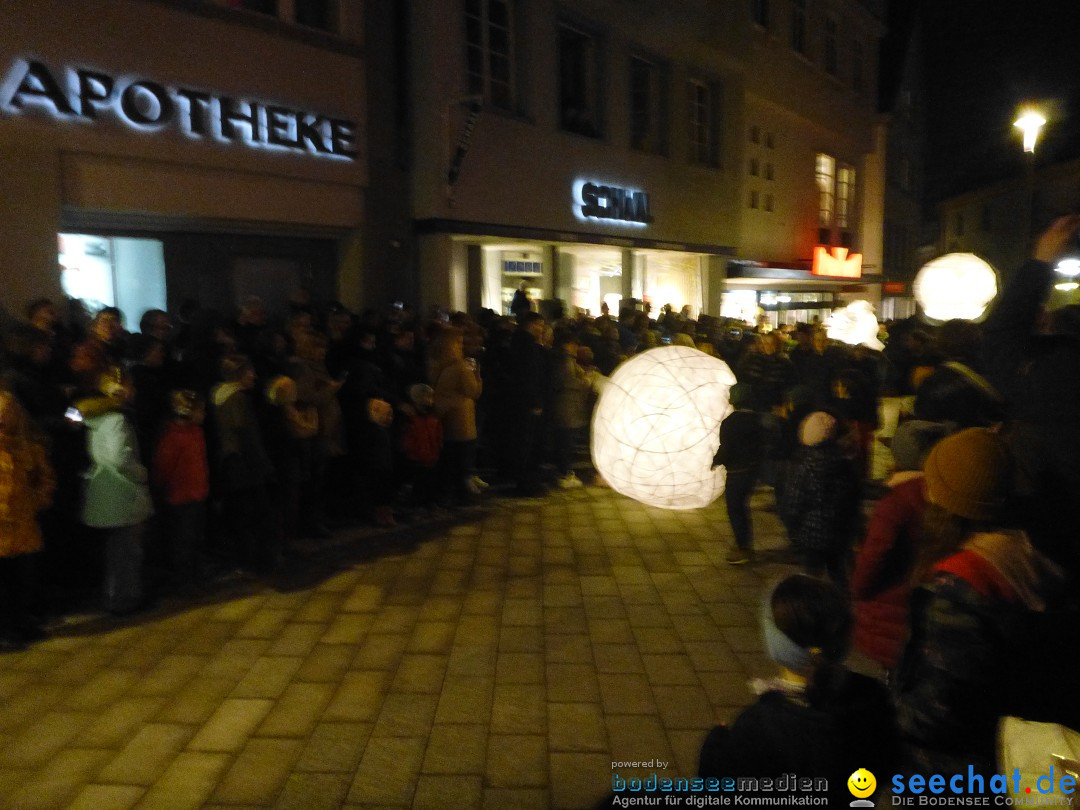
{"points": [[153, 151]]}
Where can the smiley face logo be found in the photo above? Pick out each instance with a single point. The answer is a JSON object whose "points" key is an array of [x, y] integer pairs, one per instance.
{"points": [[861, 783]]}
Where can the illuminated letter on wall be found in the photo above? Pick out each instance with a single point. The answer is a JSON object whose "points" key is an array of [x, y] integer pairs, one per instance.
{"points": [[837, 264]]}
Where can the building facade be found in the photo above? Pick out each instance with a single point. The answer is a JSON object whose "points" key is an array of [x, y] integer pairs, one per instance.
{"points": [[667, 152], [157, 151]]}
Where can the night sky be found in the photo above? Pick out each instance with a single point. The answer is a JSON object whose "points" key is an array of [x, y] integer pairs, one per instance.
{"points": [[984, 58]]}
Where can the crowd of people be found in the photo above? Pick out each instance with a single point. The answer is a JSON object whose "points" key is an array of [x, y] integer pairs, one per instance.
{"points": [[959, 592], [208, 441]]}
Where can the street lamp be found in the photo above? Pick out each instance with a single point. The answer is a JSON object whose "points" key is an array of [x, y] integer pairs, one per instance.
{"points": [[1030, 123]]}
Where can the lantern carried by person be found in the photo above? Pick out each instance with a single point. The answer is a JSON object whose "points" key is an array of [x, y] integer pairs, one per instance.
{"points": [[956, 285], [656, 426], [856, 324]]}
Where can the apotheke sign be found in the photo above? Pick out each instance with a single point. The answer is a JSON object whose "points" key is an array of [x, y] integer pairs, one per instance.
{"points": [[79, 94]]}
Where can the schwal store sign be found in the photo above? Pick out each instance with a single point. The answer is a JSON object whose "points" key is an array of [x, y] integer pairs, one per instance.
{"points": [[79, 94]]}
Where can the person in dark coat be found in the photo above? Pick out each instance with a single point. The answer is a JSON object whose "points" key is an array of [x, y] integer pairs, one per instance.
{"points": [[740, 453], [527, 390], [816, 717], [820, 503]]}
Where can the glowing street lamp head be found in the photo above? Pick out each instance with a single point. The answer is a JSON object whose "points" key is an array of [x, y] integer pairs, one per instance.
{"points": [[1030, 123]]}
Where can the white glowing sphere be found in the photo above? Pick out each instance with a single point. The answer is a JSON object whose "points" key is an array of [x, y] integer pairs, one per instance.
{"points": [[855, 324], [656, 427], [956, 285]]}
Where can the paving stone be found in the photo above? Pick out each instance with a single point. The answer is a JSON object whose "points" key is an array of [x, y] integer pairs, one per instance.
{"points": [[388, 771], [449, 792], [572, 683], [519, 709], [187, 782], [107, 797], [465, 700], [456, 749], [268, 677], [313, 791], [579, 780], [420, 673], [43, 739], [259, 774], [359, 697], [576, 727], [406, 715], [335, 748], [519, 668], [297, 639], [170, 673], [117, 723], [59, 781], [148, 755], [381, 651], [517, 761], [326, 663], [625, 693], [348, 628], [231, 724], [297, 711], [515, 799], [432, 637]]}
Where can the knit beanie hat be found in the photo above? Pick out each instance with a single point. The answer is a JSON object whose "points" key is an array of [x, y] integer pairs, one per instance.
{"points": [[816, 428], [969, 474], [912, 442], [740, 395]]}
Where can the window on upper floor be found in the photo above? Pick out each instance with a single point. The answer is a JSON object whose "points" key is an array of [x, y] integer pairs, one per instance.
{"points": [[845, 196], [489, 51], [798, 26], [769, 174], [759, 12], [320, 14], [857, 79], [579, 81], [701, 100], [830, 56], [754, 167], [825, 173], [648, 106]]}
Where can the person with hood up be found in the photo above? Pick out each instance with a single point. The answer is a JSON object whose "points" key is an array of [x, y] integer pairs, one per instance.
{"points": [[116, 497]]}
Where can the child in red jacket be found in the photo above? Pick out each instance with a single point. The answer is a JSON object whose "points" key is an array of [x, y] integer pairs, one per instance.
{"points": [[182, 476]]}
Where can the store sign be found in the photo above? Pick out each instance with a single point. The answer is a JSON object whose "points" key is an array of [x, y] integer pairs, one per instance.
{"points": [[597, 201], [837, 264], [894, 288], [78, 94]]}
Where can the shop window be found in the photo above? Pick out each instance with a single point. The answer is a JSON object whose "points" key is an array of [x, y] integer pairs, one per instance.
{"points": [[759, 12], [648, 106], [118, 272], [489, 51], [701, 107], [579, 81], [829, 56], [826, 178], [798, 26], [845, 196]]}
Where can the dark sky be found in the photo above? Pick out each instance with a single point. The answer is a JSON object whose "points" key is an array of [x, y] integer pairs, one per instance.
{"points": [[984, 58]]}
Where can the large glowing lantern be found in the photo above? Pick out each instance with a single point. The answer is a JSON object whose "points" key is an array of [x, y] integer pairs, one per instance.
{"points": [[956, 285], [856, 324], [656, 427]]}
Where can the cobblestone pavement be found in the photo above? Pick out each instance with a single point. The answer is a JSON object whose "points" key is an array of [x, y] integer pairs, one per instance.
{"points": [[505, 659]]}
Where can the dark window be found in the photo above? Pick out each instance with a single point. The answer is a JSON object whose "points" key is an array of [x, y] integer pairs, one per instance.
{"points": [[753, 199], [759, 12], [754, 170], [648, 118], [830, 55], [701, 109], [769, 202], [489, 51], [316, 13], [769, 172], [261, 6], [856, 66], [798, 26], [579, 81]]}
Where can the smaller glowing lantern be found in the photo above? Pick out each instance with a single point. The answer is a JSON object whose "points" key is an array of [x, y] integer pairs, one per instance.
{"points": [[856, 324], [956, 285], [656, 427]]}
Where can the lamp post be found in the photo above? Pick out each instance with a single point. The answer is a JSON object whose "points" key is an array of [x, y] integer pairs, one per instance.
{"points": [[1030, 123]]}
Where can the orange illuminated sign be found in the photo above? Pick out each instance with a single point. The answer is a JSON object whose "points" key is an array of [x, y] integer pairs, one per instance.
{"points": [[837, 263]]}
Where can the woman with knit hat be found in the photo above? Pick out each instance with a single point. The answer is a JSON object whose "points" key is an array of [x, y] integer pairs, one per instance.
{"points": [[970, 656]]}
